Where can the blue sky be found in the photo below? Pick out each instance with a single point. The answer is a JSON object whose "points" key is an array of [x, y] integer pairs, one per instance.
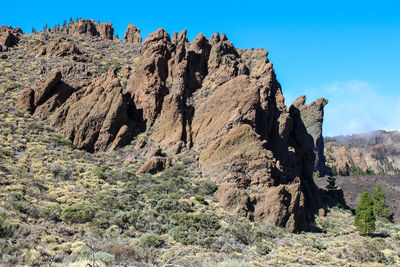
{"points": [[346, 51]]}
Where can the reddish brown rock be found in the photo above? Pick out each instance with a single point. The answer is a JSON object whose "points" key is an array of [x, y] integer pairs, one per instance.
{"points": [[9, 37], [104, 112], [61, 48], [89, 27], [233, 199], [283, 205], [154, 165], [222, 102], [147, 83], [132, 35], [31, 98]]}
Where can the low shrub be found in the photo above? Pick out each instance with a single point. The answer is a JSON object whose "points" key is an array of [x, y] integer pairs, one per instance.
{"points": [[151, 240], [77, 214], [51, 212]]}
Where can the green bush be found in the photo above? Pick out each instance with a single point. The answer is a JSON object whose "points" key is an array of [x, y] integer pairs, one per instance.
{"points": [[77, 214], [51, 212], [188, 228], [104, 257], [151, 240], [6, 228], [100, 172], [207, 188], [263, 249], [200, 199]]}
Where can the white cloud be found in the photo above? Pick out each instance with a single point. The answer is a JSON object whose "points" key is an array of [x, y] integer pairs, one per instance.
{"points": [[355, 107]]}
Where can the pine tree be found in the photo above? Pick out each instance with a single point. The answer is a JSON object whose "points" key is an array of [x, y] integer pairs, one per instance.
{"points": [[380, 209], [365, 217], [33, 30], [331, 183]]}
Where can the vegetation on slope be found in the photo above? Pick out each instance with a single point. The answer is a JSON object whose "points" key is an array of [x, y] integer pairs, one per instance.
{"points": [[63, 206]]}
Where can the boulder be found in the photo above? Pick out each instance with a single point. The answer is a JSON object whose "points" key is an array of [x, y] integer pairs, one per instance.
{"points": [[154, 165], [132, 35]]}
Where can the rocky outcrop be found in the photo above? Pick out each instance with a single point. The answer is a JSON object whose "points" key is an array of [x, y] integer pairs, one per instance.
{"points": [[210, 97], [104, 112], [89, 27], [311, 116], [9, 37], [132, 35], [45, 96], [60, 48]]}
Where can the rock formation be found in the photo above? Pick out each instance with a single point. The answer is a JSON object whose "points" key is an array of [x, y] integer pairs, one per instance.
{"points": [[9, 37], [132, 35], [210, 97], [89, 27], [61, 48], [312, 117]]}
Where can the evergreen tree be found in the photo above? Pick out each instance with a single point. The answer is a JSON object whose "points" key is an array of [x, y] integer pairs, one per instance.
{"points": [[365, 217], [380, 209], [33, 30], [331, 183]]}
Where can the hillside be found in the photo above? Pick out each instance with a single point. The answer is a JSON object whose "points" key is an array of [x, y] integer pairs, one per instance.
{"points": [[372, 153], [168, 152]]}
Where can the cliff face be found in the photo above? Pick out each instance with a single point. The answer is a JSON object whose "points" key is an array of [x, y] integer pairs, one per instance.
{"points": [[373, 153], [204, 96]]}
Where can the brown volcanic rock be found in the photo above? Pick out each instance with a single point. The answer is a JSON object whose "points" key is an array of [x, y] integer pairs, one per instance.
{"points": [[223, 102], [9, 37], [147, 83], [154, 165], [61, 48], [284, 204], [89, 27], [103, 112], [311, 116], [132, 35], [233, 199], [35, 96]]}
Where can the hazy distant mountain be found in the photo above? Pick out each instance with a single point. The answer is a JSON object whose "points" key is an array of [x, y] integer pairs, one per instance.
{"points": [[376, 152]]}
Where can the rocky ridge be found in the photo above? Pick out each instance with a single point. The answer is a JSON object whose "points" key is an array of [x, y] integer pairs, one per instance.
{"points": [[204, 96], [372, 153]]}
